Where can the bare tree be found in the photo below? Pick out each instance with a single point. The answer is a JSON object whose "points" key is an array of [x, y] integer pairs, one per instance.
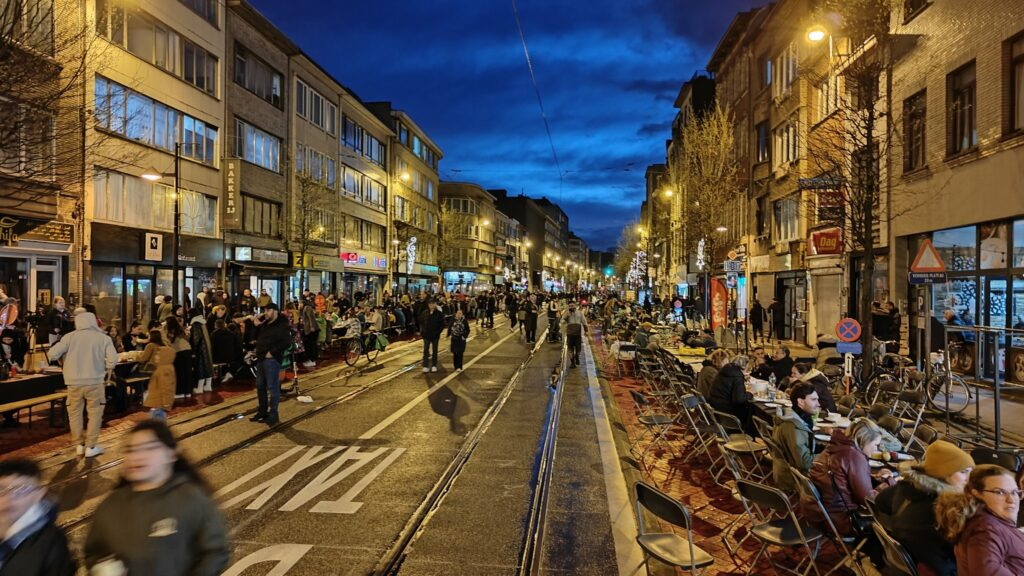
{"points": [[314, 206], [453, 234], [629, 242]]}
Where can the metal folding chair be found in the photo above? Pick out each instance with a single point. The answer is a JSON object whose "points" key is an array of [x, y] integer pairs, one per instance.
{"points": [[774, 523], [669, 547], [896, 556], [809, 494], [655, 424]]}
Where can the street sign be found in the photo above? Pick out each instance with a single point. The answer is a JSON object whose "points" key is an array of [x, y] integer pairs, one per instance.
{"points": [[848, 330], [733, 265], [849, 348], [928, 267]]}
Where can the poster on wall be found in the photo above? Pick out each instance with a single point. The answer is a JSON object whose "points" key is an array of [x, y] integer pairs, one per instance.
{"points": [[994, 240], [719, 303], [154, 247]]}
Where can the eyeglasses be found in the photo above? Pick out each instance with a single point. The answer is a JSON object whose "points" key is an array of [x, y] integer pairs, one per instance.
{"points": [[19, 490], [1003, 493]]}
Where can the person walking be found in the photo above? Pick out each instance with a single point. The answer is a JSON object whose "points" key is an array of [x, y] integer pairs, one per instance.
{"points": [[512, 308], [757, 314], [273, 338], [161, 519], [530, 307], [431, 325], [778, 319], [158, 358], [458, 331], [575, 326], [88, 355], [202, 350], [31, 544], [310, 332]]}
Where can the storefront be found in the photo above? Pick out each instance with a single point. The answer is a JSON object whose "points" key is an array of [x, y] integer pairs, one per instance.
{"points": [[825, 269], [34, 259], [322, 273], [468, 282], [258, 269], [422, 278], [128, 268], [984, 287], [365, 273]]}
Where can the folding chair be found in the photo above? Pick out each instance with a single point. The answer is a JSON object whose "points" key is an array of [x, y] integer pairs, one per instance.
{"points": [[1009, 460], [655, 424], [876, 411], [668, 547], [846, 404], [809, 494], [626, 353], [887, 390], [736, 442], [896, 556], [764, 428], [910, 410], [891, 424], [923, 436], [704, 433], [774, 523]]}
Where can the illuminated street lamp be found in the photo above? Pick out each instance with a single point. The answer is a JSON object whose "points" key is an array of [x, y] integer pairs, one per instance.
{"points": [[816, 33], [722, 229], [154, 176]]}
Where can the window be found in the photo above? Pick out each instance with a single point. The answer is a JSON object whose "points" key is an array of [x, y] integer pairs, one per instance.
{"points": [[325, 228], [301, 98], [914, 109], [828, 96], [762, 216], [784, 72], [256, 146], [373, 236], [374, 150], [763, 146], [417, 146], [300, 158], [331, 169], [962, 132], [257, 76], [787, 219], [199, 140], [352, 182], [403, 134], [132, 201], [352, 134], [207, 9], [261, 216], [1018, 248], [957, 247], [1016, 84], [785, 143], [374, 193], [912, 7], [401, 209], [28, 144], [312, 106], [200, 68], [766, 72]]}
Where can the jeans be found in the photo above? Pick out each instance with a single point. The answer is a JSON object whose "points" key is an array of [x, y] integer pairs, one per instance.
{"points": [[575, 342], [91, 398], [268, 387], [158, 414], [430, 352]]}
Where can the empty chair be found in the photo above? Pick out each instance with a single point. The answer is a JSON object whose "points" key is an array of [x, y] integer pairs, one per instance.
{"points": [[671, 547], [1009, 460], [656, 425], [923, 436], [887, 390], [910, 409], [774, 523], [624, 352], [846, 404]]}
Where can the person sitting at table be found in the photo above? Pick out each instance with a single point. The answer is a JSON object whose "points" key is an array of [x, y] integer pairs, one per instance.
{"points": [[729, 392], [135, 338], [844, 480], [761, 369], [13, 347], [980, 523], [709, 373], [782, 366], [907, 510], [793, 435], [115, 337], [804, 372]]}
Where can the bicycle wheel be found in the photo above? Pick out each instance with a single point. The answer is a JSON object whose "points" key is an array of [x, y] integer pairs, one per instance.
{"points": [[352, 351], [371, 352], [952, 387]]}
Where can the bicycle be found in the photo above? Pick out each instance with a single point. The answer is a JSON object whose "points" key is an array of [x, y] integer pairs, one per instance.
{"points": [[360, 344], [946, 388]]}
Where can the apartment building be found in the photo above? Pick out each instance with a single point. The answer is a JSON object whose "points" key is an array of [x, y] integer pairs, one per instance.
{"points": [[510, 251], [656, 230], [156, 84], [257, 172], [468, 250], [536, 226], [415, 203]]}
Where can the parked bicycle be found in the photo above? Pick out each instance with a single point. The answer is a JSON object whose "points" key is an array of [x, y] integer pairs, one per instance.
{"points": [[366, 343]]}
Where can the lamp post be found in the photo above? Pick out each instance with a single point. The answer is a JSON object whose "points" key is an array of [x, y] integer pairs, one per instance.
{"points": [[154, 176]]}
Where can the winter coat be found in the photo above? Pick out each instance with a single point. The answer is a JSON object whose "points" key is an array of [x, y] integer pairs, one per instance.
{"points": [[89, 352], [851, 486], [794, 437], [173, 530], [782, 368], [431, 323], [459, 332], [273, 337], [39, 547], [58, 322], [757, 316], [308, 319], [907, 511], [199, 338], [705, 379], [164, 311], [821, 386], [728, 392], [163, 380], [990, 546], [227, 347], [247, 304]]}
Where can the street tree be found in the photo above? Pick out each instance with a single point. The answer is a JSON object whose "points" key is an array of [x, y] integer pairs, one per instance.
{"points": [[314, 206], [453, 234], [630, 241]]}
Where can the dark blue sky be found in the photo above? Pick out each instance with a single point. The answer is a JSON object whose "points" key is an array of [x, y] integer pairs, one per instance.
{"points": [[608, 71]]}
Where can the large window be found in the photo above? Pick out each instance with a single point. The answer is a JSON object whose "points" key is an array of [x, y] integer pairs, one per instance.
{"points": [[375, 150], [914, 114], [314, 107], [785, 143], [28, 144], [135, 202], [352, 182], [301, 98], [256, 146], [763, 142], [462, 205], [145, 120], [962, 130], [261, 216], [373, 236], [784, 71], [374, 193], [352, 134], [1015, 81], [787, 219], [205, 8], [257, 76], [828, 96], [956, 247]]}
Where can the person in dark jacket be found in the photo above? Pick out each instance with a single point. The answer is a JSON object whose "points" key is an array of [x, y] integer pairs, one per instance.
{"points": [[530, 321], [794, 436], [13, 347], [31, 544], [804, 372], [778, 319], [458, 332], [273, 338], [781, 365], [161, 520], [709, 372], [431, 323], [757, 316], [58, 321], [907, 510], [729, 393], [227, 349], [247, 303]]}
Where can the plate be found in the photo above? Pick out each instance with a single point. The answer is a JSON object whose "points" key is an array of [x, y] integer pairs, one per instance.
{"points": [[876, 464], [772, 405], [822, 437], [762, 400], [903, 457]]}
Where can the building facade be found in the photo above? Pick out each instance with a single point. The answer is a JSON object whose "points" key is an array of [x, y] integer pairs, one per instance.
{"points": [[468, 249]]}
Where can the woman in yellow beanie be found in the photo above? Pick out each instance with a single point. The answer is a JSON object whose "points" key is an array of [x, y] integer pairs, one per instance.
{"points": [[907, 510]]}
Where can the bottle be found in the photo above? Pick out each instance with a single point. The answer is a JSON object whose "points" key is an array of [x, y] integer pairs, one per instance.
{"points": [[771, 381]]}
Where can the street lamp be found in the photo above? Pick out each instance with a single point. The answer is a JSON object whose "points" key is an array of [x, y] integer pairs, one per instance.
{"points": [[816, 33], [153, 176], [721, 229]]}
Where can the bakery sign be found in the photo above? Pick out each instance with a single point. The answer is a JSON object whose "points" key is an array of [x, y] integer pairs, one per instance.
{"points": [[827, 241], [13, 230]]}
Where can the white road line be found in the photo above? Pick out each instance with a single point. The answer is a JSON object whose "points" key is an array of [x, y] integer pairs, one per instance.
{"points": [[620, 509], [423, 396]]}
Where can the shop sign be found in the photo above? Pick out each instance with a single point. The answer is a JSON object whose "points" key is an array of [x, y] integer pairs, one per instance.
{"points": [[231, 219], [827, 241], [760, 263], [429, 269], [13, 230], [249, 254], [327, 264], [154, 247], [357, 259]]}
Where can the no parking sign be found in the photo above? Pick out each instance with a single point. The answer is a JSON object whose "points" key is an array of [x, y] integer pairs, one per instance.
{"points": [[848, 330]]}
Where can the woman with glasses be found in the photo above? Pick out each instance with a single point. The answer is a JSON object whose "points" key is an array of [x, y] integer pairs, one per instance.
{"points": [[981, 523], [31, 544], [161, 519]]}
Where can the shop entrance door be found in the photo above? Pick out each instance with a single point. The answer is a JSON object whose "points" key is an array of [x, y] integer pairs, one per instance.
{"points": [[792, 292], [139, 294], [993, 309]]}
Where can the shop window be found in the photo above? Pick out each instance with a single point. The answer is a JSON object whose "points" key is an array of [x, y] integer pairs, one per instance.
{"points": [[104, 287], [1017, 322], [959, 295], [1018, 244], [956, 247], [994, 239]]}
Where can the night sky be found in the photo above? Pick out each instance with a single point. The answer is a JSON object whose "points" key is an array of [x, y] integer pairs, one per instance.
{"points": [[608, 72]]}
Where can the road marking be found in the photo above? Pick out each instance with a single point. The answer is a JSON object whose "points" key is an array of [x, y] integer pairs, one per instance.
{"points": [[274, 485], [345, 505], [325, 480], [285, 555], [620, 508], [380, 427]]}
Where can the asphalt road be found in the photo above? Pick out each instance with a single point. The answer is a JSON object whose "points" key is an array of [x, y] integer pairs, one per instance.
{"points": [[332, 491]]}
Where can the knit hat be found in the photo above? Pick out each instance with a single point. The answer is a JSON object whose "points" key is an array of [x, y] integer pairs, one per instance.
{"points": [[941, 459]]}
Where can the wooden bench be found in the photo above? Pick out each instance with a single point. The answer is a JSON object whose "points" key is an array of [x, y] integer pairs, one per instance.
{"points": [[57, 399]]}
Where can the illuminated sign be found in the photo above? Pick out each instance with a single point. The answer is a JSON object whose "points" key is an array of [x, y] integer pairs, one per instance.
{"points": [[357, 259], [410, 255]]}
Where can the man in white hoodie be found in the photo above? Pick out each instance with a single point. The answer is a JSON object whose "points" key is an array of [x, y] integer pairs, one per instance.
{"points": [[88, 354]]}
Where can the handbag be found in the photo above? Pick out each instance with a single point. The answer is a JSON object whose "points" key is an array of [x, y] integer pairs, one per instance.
{"points": [[382, 342]]}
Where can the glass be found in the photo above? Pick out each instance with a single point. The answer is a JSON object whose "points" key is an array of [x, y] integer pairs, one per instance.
{"points": [[959, 295], [994, 237], [142, 300], [1016, 494], [1018, 244], [105, 290], [956, 247]]}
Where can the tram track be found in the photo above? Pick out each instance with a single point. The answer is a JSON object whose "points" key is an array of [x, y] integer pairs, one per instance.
{"points": [[81, 520]]}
